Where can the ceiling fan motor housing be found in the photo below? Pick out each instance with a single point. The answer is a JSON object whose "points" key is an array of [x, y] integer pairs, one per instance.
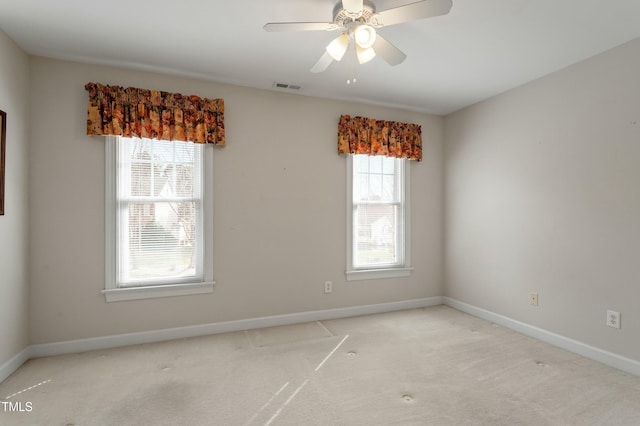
{"points": [[342, 17]]}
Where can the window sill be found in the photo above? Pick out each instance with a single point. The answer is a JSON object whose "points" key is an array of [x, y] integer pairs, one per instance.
{"points": [[370, 274], [150, 292]]}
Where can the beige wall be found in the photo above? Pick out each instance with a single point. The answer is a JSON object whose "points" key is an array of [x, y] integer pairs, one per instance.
{"points": [[14, 87], [280, 214], [542, 192]]}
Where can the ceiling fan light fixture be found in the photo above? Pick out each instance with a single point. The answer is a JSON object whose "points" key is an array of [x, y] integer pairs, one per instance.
{"points": [[365, 36], [364, 55], [337, 48]]}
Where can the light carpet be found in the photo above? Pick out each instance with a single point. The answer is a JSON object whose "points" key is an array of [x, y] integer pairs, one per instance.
{"points": [[432, 366]]}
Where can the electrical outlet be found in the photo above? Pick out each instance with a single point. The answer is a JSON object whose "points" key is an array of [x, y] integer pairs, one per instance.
{"points": [[613, 319], [328, 287], [533, 299]]}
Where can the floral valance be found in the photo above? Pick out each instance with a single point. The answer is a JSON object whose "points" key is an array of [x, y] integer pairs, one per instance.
{"points": [[132, 112], [360, 135]]}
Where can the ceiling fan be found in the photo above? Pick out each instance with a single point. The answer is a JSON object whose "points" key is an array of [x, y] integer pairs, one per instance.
{"points": [[358, 20]]}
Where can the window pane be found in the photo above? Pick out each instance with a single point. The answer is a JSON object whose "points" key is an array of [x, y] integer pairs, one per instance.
{"points": [[163, 151], [361, 163], [376, 235], [162, 241], [163, 180], [140, 179], [375, 187], [377, 182], [139, 149], [361, 188], [389, 165], [375, 164], [389, 188], [184, 180], [152, 173], [184, 152]]}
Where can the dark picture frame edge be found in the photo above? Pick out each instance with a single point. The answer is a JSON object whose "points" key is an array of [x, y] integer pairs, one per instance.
{"points": [[3, 141]]}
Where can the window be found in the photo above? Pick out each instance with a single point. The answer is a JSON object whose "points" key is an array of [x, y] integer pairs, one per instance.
{"points": [[378, 217], [159, 219]]}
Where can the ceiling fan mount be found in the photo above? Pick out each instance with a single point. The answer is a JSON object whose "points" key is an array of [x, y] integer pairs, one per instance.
{"points": [[357, 20]]}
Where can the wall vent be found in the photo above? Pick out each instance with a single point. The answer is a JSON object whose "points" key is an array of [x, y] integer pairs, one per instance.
{"points": [[286, 86]]}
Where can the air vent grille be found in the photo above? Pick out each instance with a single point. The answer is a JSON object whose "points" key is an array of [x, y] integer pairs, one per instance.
{"points": [[287, 86]]}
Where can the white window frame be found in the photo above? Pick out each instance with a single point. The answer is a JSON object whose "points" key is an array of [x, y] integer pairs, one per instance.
{"points": [[404, 268], [112, 291]]}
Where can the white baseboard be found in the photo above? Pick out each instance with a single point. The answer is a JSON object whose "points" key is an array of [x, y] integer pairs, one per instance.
{"points": [[13, 364], [106, 342], [608, 358]]}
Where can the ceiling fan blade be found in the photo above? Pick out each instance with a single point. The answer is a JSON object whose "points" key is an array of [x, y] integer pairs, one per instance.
{"points": [[299, 26], [353, 6], [414, 11], [322, 64], [388, 51]]}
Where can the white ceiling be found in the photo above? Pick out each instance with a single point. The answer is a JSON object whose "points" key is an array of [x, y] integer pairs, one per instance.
{"points": [[481, 48]]}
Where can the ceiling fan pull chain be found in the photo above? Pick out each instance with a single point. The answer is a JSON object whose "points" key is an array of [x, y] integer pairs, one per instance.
{"points": [[351, 65]]}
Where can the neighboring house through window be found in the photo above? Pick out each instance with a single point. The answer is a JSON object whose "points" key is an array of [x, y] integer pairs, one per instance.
{"points": [[378, 217], [159, 218]]}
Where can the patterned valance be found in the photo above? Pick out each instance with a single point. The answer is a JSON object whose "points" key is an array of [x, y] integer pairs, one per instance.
{"points": [[360, 135], [132, 112]]}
